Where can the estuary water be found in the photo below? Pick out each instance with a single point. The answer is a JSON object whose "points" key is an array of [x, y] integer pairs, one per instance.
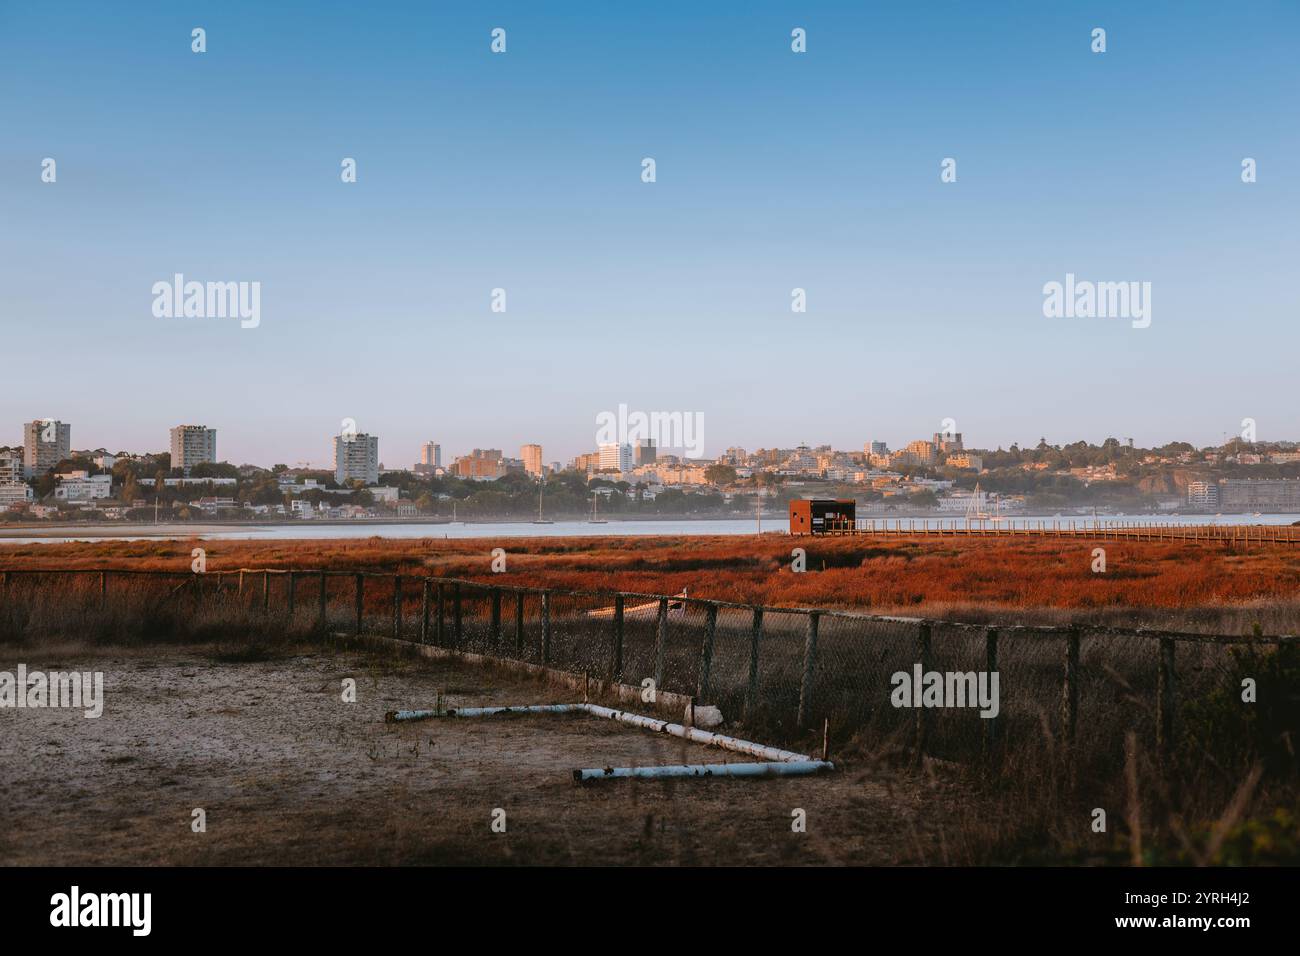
{"points": [[309, 530]]}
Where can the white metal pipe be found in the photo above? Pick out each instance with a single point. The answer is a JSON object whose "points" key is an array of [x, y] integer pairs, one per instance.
{"points": [[797, 768], [396, 715], [698, 736], [694, 734], [521, 709]]}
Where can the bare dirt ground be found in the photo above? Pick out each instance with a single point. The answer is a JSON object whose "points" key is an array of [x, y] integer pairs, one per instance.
{"points": [[290, 774]]}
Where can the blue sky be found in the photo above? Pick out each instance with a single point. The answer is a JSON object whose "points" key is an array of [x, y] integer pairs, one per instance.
{"points": [[522, 171]]}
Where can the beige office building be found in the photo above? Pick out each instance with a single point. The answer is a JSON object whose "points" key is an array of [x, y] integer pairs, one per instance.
{"points": [[532, 458]]}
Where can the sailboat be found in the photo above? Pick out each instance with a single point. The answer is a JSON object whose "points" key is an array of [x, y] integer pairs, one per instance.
{"points": [[976, 511], [594, 519], [540, 519]]}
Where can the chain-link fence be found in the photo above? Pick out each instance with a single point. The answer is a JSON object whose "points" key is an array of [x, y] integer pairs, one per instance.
{"points": [[937, 687]]}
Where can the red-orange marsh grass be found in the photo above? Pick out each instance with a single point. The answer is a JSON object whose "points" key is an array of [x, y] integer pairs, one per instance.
{"points": [[897, 574]]}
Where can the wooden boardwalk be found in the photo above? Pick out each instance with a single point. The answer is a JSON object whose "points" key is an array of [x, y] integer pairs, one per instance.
{"points": [[1245, 534]]}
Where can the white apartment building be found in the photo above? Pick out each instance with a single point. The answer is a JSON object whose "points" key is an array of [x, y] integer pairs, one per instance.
{"points": [[615, 457], [193, 445], [78, 486], [46, 442], [356, 458], [11, 468], [963, 501], [1203, 494], [183, 482], [14, 493], [801, 461]]}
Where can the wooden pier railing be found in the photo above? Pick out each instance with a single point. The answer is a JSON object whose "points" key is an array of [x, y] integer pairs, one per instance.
{"points": [[1245, 534]]}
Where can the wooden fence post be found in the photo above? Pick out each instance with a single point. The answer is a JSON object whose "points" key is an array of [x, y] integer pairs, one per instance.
{"points": [[424, 611], [546, 627], [809, 665], [751, 691], [324, 595], [519, 624], [440, 635], [103, 590], [361, 589], [457, 626], [990, 734], [702, 687], [661, 643], [1070, 688], [266, 591], [922, 716], [616, 667], [1165, 691], [293, 585], [496, 618], [397, 607]]}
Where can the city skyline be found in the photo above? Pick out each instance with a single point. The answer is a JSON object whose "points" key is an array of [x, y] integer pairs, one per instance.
{"points": [[538, 454], [776, 171]]}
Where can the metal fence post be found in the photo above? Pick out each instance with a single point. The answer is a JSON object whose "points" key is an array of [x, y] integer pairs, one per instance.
{"points": [[809, 665], [320, 610], [361, 588], [751, 692], [661, 643], [1165, 697], [706, 651], [616, 668], [546, 627], [103, 590]]}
